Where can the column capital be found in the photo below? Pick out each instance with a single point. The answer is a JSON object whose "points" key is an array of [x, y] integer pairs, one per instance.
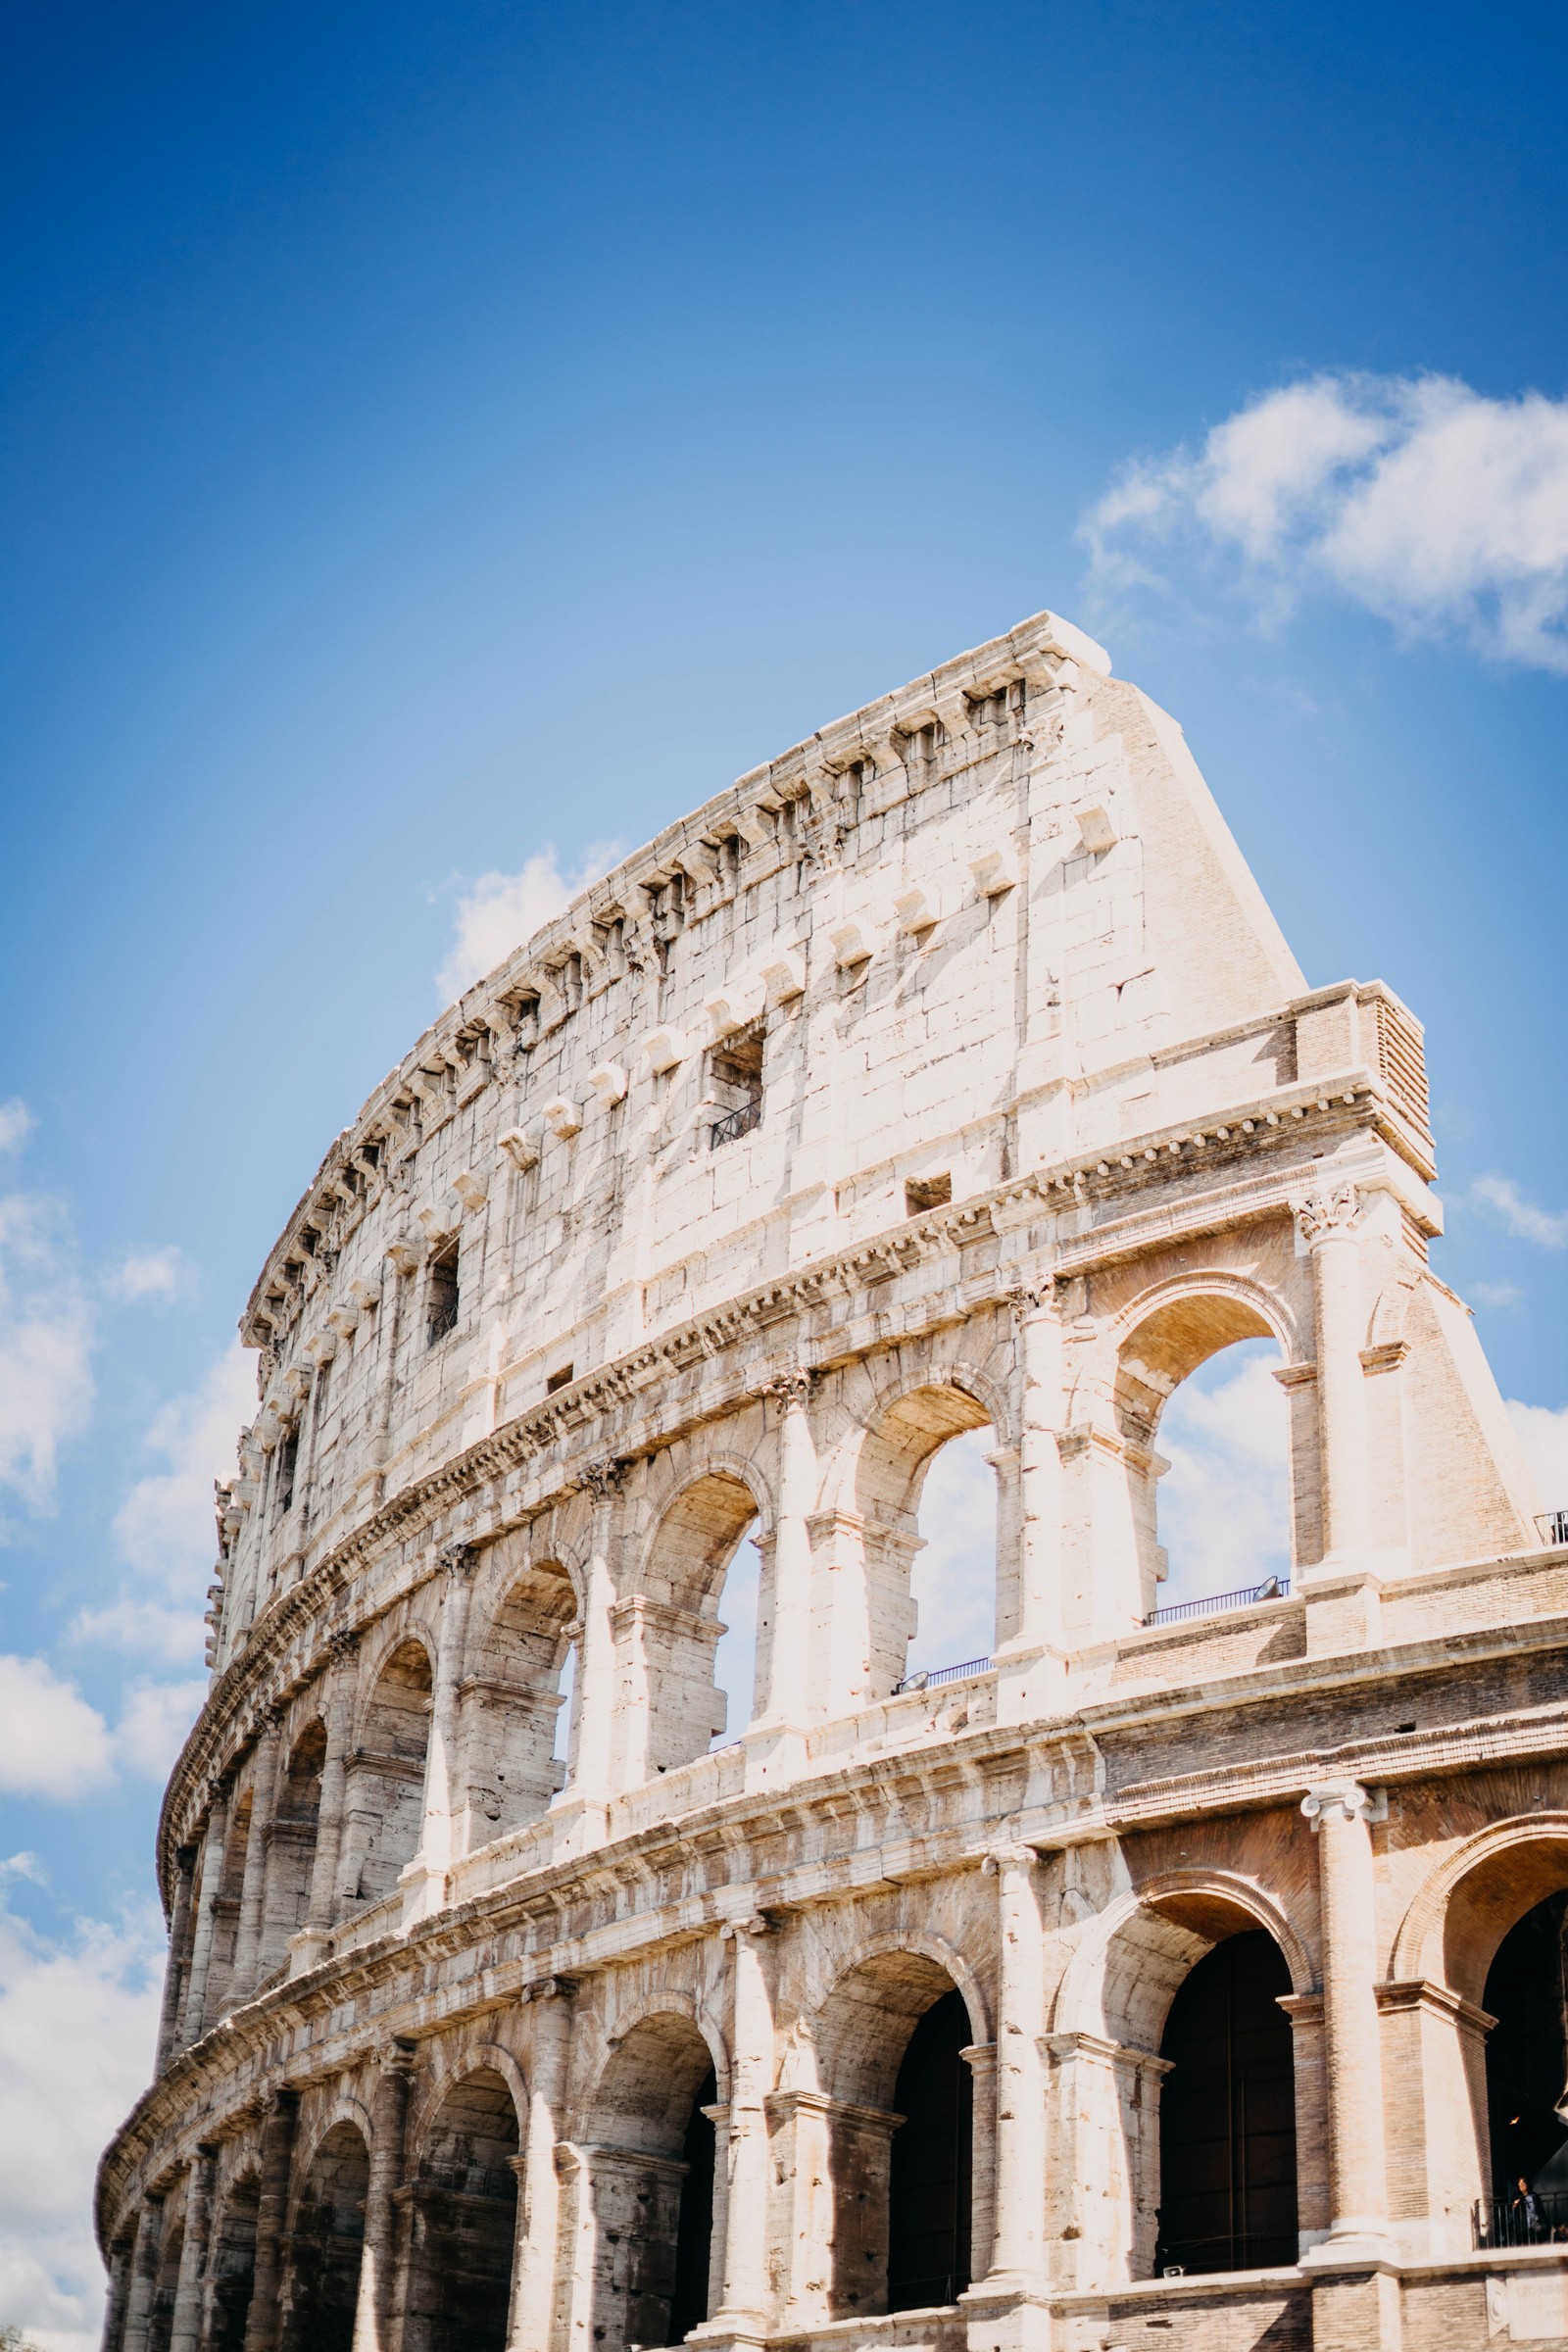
{"points": [[791, 1384], [1034, 1293], [757, 1924], [1348, 1798], [398, 2057], [603, 1478], [1330, 1212], [550, 1988], [457, 1560], [1000, 1858], [344, 1648]]}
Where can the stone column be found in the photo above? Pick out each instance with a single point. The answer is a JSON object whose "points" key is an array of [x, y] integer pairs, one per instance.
{"points": [[1018, 2222], [143, 2273], [278, 2157], [596, 1649], [745, 2287], [425, 1879], [193, 2008], [789, 1656], [1329, 1225], [321, 1913], [375, 2314], [177, 1969], [253, 1887], [119, 2261], [533, 2270], [1030, 1648], [1358, 2196], [185, 2333]]}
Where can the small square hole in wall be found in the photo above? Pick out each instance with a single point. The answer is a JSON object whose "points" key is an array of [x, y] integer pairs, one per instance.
{"points": [[926, 1192], [559, 1380]]}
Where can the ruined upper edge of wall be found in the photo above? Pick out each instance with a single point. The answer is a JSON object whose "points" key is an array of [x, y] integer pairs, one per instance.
{"points": [[1044, 650]]}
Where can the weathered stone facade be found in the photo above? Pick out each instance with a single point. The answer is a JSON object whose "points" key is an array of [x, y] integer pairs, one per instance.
{"points": [[949, 1070]]}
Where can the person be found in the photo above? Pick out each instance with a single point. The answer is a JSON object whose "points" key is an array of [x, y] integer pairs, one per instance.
{"points": [[1525, 2214]]}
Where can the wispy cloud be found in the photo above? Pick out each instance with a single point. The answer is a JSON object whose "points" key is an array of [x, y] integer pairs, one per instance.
{"points": [[1496, 1293], [15, 1124], [1543, 1434], [144, 1274], [953, 1581], [78, 2018], [1499, 1198], [1442, 509], [1224, 1508], [501, 912], [52, 1742], [46, 1344]]}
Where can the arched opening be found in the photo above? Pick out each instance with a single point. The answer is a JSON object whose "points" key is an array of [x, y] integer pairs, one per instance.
{"points": [[171, 2246], [893, 2138], [651, 2186], [513, 1704], [291, 1844], [931, 2182], [1526, 2074], [325, 2243], [879, 1617], [668, 1632], [952, 1583], [231, 2265], [1210, 1513], [1227, 2114], [225, 1910], [463, 2215], [386, 1800]]}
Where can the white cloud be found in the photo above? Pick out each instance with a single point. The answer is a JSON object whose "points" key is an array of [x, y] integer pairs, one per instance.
{"points": [[46, 1340], [52, 1742], [1423, 500], [1543, 1434], [1499, 1198], [1224, 1505], [16, 1124], [503, 911], [146, 1274], [1496, 1293], [165, 1525], [78, 2022], [153, 1724]]}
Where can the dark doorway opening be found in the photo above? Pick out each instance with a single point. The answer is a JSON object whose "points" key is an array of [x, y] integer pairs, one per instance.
{"points": [[1227, 2115], [326, 2245], [931, 2178], [232, 2269], [1527, 2065], [694, 2229]]}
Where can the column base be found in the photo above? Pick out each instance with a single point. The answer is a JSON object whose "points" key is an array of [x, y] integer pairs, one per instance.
{"points": [[578, 1823], [1355, 2310], [1343, 1596], [776, 1754], [425, 1891], [1031, 1681], [730, 2328], [1353, 2244], [1007, 2312]]}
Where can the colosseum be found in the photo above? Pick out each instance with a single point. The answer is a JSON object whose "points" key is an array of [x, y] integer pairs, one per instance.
{"points": [[1184, 1976]]}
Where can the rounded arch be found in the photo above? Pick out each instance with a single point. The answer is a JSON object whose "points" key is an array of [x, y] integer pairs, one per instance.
{"points": [[684, 1464], [1124, 1974], [1466, 1906], [648, 2078], [695, 1537], [406, 1659], [449, 2067], [345, 2108], [878, 1463], [857, 2026], [1165, 1334]]}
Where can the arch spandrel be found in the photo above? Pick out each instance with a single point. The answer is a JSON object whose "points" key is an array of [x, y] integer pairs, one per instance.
{"points": [[1127, 1963], [1464, 1907]]}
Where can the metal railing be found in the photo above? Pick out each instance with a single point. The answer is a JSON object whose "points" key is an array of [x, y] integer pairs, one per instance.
{"points": [[929, 1677], [1273, 1588], [736, 1123], [1553, 1526], [1540, 2218]]}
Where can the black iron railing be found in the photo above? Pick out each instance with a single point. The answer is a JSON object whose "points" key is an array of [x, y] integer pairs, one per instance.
{"points": [[1553, 1526], [929, 1678], [736, 1123], [1536, 2219], [1273, 1588]]}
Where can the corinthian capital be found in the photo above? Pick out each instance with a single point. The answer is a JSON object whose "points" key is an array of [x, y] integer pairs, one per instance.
{"points": [[602, 1478], [1028, 1296], [1334, 1210], [791, 1387]]}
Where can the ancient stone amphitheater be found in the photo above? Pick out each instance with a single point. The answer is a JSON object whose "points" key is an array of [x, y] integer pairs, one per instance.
{"points": [[1185, 1976]]}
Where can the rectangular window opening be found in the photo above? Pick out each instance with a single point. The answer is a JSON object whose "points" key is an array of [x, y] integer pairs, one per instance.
{"points": [[442, 1295], [735, 1084], [288, 1456], [559, 1380]]}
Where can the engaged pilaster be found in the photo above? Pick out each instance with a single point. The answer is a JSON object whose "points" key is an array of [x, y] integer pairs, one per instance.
{"points": [[1030, 1633], [775, 1745], [1340, 1813]]}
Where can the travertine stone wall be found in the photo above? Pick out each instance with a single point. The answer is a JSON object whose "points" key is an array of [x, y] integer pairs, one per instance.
{"points": [[947, 1072]]}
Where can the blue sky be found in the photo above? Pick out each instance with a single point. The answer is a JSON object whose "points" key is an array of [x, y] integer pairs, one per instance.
{"points": [[439, 440]]}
